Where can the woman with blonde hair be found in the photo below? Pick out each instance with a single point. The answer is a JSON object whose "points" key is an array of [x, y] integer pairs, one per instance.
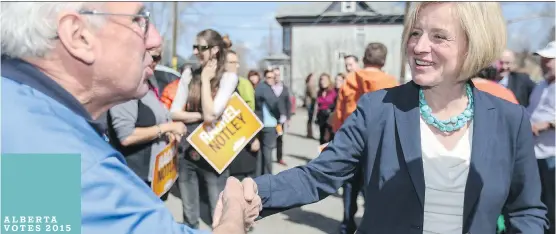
{"points": [[438, 155]]}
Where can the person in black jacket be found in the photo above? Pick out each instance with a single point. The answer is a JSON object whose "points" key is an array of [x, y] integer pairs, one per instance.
{"points": [[519, 83], [268, 110], [283, 94]]}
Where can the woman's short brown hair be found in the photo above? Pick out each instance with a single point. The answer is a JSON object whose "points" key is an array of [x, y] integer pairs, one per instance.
{"points": [[253, 73]]}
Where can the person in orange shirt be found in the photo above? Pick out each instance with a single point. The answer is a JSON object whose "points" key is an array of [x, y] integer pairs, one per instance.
{"points": [[169, 93], [485, 82], [370, 78]]}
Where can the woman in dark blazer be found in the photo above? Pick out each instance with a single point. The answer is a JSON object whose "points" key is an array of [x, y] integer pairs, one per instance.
{"points": [[438, 155]]}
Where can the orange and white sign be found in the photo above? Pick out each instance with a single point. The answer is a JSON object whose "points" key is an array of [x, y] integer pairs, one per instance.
{"points": [[165, 170], [321, 147], [222, 141], [279, 130]]}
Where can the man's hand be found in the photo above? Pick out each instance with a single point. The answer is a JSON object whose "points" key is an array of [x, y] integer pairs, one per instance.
{"points": [[255, 145], [246, 194], [177, 128], [539, 127], [229, 211], [254, 203], [173, 137]]}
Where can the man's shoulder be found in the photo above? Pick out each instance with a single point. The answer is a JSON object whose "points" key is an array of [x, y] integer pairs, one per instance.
{"points": [[32, 118], [261, 86], [524, 77], [379, 78]]}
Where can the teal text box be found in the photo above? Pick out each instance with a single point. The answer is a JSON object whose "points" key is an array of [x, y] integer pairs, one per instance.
{"points": [[41, 193]]}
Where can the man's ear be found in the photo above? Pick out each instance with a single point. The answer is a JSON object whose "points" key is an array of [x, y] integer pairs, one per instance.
{"points": [[77, 38]]}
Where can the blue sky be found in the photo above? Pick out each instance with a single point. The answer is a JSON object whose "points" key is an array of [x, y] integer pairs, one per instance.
{"points": [[252, 22]]}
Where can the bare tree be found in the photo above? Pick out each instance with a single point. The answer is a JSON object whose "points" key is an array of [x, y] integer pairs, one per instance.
{"points": [[162, 18], [543, 30], [243, 52]]}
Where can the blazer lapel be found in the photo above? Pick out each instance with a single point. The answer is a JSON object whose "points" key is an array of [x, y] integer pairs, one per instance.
{"points": [[483, 127], [407, 124]]}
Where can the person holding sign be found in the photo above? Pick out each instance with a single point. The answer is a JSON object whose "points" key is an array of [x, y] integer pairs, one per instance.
{"points": [[141, 129], [202, 98]]}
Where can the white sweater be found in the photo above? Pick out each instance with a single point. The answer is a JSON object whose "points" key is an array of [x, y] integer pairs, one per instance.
{"points": [[227, 87]]}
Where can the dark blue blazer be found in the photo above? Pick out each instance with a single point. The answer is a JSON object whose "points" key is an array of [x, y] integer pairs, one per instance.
{"points": [[383, 137]]}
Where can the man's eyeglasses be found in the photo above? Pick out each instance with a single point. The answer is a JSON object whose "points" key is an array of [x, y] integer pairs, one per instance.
{"points": [[201, 47], [142, 18]]}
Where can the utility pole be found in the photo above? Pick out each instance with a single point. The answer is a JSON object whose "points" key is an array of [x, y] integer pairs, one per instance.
{"points": [[270, 47], [403, 62], [175, 37]]}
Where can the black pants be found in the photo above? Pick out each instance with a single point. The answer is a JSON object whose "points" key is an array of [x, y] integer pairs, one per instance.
{"points": [[351, 188], [267, 139], [325, 129], [279, 147]]}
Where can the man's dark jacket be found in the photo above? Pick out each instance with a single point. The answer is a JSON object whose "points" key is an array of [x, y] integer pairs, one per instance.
{"points": [[522, 86]]}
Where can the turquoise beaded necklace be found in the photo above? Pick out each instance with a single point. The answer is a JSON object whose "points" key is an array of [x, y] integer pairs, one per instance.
{"points": [[453, 124]]}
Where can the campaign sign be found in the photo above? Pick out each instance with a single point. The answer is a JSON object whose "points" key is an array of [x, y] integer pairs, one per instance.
{"points": [[221, 142], [165, 169], [279, 130]]}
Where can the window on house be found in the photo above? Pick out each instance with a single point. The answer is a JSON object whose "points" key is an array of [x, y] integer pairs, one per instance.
{"points": [[287, 38], [348, 6]]}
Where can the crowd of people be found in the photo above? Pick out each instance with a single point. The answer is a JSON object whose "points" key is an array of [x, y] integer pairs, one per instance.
{"points": [[467, 141], [141, 128]]}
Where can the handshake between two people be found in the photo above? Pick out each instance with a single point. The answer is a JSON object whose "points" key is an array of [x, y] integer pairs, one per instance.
{"points": [[237, 208]]}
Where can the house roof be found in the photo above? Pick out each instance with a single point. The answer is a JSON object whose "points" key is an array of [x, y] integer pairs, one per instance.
{"points": [[316, 9]]}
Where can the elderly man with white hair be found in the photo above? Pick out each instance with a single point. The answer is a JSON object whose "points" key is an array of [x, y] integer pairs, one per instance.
{"points": [[63, 65]]}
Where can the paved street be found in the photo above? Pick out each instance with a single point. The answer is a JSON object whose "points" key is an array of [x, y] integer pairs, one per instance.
{"points": [[321, 217]]}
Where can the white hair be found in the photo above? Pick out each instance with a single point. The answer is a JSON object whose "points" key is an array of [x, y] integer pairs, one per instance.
{"points": [[29, 29]]}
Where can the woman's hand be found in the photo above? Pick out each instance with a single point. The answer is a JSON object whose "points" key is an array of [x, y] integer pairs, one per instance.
{"points": [[173, 137], [209, 71], [177, 128]]}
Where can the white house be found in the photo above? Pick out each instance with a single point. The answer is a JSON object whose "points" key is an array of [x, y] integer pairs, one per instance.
{"points": [[317, 35]]}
